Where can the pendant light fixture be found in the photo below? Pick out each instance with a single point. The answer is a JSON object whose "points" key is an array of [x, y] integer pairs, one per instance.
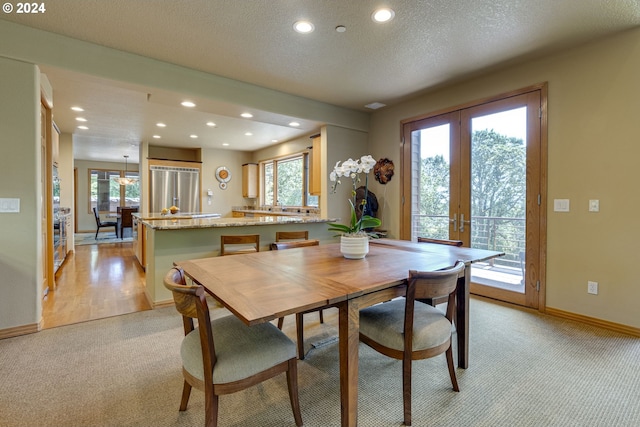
{"points": [[125, 180]]}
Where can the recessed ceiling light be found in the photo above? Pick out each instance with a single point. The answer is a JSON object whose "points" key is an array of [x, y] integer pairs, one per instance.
{"points": [[188, 104], [274, 140], [383, 15], [225, 144], [211, 124], [375, 105], [303, 27], [246, 115], [157, 136], [294, 124], [193, 136], [341, 28], [83, 127], [248, 134], [161, 125], [81, 119], [78, 109]]}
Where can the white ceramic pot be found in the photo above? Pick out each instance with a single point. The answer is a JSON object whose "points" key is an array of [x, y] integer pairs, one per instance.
{"points": [[354, 247]]}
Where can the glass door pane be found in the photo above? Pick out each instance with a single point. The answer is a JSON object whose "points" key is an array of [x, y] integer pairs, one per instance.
{"points": [[431, 218], [498, 196]]}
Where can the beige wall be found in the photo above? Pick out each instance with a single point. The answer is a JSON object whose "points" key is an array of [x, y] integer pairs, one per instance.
{"points": [[223, 200], [594, 147], [21, 248]]}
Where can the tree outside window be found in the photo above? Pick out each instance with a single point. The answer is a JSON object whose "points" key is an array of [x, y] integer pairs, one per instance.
{"points": [[286, 182]]}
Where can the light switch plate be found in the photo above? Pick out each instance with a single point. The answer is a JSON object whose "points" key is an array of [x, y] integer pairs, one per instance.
{"points": [[594, 205], [561, 205], [9, 205]]}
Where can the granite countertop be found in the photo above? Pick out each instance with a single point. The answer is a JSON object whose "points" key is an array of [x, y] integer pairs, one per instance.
{"points": [[278, 212], [275, 213], [179, 215], [171, 222]]}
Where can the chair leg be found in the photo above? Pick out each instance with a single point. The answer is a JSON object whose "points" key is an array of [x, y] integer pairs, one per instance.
{"points": [[452, 368], [280, 322], [97, 230], [406, 389], [186, 392], [321, 317], [300, 334], [211, 411], [292, 384]]}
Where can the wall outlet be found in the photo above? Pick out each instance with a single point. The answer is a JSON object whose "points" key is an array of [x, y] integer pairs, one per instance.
{"points": [[592, 287]]}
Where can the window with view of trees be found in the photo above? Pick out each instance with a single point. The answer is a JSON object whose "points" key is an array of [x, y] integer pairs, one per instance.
{"points": [[286, 182], [106, 194]]}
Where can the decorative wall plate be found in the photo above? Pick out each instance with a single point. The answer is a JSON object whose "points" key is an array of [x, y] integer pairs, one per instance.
{"points": [[223, 175], [383, 170], [223, 185]]}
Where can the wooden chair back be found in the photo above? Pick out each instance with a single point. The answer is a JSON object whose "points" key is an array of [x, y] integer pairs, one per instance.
{"points": [[240, 240], [432, 285], [294, 244], [440, 241], [292, 235], [186, 297]]}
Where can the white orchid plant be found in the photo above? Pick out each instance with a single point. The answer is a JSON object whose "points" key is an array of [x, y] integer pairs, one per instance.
{"points": [[353, 169]]}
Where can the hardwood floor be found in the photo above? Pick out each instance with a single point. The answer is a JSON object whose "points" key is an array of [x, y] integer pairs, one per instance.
{"points": [[96, 281]]}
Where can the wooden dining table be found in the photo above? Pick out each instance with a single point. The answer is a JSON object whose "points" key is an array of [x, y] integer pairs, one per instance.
{"points": [[264, 286]]}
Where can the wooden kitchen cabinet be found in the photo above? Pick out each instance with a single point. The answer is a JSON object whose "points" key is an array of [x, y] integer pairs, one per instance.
{"points": [[139, 242], [250, 188], [315, 182]]}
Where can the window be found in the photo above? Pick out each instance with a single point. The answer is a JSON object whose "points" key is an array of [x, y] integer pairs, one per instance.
{"points": [[286, 181], [106, 194]]}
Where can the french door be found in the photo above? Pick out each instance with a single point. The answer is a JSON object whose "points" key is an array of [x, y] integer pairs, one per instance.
{"points": [[475, 174]]}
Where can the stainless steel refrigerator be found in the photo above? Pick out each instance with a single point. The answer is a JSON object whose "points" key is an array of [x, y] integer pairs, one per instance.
{"points": [[174, 186]]}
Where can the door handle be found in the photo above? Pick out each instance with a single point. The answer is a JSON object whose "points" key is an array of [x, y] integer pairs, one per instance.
{"points": [[454, 220], [463, 222]]}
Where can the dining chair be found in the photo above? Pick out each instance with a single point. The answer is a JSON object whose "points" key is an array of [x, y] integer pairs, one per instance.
{"points": [[125, 220], [292, 235], [224, 356], [408, 330], [101, 224], [244, 244], [299, 316]]}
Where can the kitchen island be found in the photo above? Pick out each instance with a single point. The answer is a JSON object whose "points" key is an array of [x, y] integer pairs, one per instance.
{"points": [[170, 238]]}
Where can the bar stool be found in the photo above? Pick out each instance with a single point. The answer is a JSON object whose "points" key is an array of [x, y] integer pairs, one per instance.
{"points": [[241, 242]]}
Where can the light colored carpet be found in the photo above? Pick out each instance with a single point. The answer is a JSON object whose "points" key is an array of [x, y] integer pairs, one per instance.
{"points": [[89, 238], [525, 369]]}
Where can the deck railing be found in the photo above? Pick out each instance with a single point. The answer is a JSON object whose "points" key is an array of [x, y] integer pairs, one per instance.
{"points": [[503, 234]]}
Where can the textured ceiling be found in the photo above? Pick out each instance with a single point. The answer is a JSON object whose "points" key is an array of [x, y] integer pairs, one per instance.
{"points": [[428, 44]]}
